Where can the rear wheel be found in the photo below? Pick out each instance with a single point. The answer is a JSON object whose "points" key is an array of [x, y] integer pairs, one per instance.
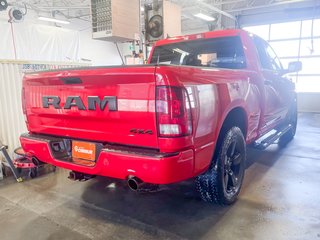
{"points": [[292, 120], [222, 182]]}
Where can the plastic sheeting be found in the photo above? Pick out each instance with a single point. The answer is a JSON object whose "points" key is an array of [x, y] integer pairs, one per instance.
{"points": [[35, 42], [11, 117]]}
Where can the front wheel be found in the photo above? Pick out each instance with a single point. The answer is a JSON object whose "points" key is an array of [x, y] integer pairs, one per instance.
{"points": [[222, 182], [292, 120]]}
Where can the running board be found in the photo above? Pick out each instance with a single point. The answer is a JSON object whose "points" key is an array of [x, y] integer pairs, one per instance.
{"points": [[272, 138]]}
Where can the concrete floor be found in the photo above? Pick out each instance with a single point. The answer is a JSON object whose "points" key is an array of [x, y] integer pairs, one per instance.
{"points": [[279, 200]]}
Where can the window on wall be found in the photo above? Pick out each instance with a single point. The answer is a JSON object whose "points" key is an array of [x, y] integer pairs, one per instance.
{"points": [[296, 41]]}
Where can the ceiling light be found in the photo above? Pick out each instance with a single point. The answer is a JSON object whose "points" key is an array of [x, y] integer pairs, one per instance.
{"points": [[205, 17], [53, 20]]}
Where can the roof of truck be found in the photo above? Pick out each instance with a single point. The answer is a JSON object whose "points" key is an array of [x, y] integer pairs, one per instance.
{"points": [[212, 34]]}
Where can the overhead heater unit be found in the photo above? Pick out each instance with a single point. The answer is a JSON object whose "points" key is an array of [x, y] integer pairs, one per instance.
{"points": [[162, 20], [115, 20]]}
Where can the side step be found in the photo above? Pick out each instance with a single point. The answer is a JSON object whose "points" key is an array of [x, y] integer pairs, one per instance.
{"points": [[271, 137]]}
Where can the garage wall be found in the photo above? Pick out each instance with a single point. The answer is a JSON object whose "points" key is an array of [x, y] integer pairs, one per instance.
{"points": [[76, 35], [309, 102], [99, 53]]}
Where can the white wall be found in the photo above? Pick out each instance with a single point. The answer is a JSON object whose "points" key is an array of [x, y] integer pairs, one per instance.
{"points": [[98, 52]]}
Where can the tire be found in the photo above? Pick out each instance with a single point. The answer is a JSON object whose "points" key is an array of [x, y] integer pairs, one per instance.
{"points": [[292, 120], [222, 182]]}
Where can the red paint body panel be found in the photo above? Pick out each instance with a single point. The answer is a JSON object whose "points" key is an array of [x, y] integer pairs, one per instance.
{"points": [[152, 169], [213, 94], [133, 87]]}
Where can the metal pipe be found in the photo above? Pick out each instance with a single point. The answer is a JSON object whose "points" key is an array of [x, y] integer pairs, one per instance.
{"points": [[62, 7], [79, 176], [134, 183], [72, 176], [3, 149]]}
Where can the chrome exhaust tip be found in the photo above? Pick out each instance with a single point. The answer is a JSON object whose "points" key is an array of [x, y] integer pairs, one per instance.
{"points": [[137, 185], [134, 183], [79, 176]]}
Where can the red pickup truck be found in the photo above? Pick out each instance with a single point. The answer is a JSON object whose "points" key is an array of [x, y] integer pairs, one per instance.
{"points": [[189, 113]]}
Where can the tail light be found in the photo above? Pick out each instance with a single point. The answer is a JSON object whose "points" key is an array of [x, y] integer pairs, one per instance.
{"points": [[24, 109], [173, 112]]}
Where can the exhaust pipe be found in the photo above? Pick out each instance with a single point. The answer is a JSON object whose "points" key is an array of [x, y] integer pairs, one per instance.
{"points": [[72, 176], [134, 183], [79, 176], [137, 185]]}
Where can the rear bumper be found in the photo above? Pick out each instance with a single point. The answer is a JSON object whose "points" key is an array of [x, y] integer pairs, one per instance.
{"points": [[154, 168]]}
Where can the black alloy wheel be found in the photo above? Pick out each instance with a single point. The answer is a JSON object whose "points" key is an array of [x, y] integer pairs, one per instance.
{"points": [[223, 180], [233, 171]]}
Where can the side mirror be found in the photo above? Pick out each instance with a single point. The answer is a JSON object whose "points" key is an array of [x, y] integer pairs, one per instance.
{"points": [[294, 67]]}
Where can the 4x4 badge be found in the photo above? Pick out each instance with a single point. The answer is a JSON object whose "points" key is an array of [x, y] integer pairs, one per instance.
{"points": [[141, 131]]}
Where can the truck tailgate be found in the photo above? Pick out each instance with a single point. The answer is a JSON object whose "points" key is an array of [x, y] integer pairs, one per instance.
{"points": [[111, 105]]}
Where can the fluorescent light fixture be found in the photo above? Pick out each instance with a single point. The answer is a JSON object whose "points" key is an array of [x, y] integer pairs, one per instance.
{"points": [[53, 20], [204, 17]]}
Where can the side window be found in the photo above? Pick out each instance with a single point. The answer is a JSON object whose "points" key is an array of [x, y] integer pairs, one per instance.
{"points": [[268, 58], [264, 62], [274, 60], [220, 52]]}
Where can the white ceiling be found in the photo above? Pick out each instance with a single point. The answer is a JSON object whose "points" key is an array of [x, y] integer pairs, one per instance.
{"points": [[70, 9]]}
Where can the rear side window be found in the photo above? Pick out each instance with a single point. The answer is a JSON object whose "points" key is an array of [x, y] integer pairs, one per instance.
{"points": [[268, 58], [224, 52]]}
